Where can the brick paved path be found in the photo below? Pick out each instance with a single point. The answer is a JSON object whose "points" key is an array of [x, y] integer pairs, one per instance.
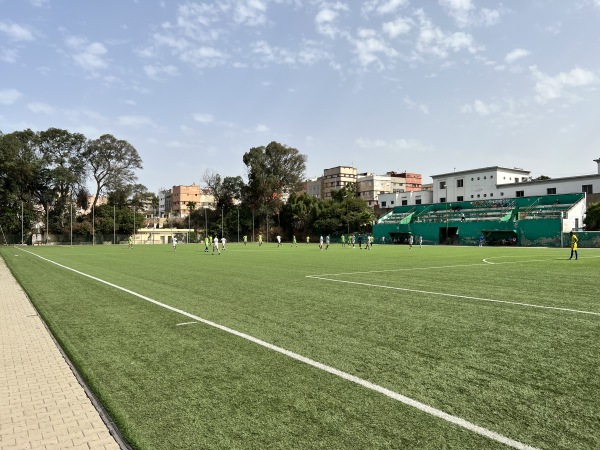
{"points": [[42, 404]]}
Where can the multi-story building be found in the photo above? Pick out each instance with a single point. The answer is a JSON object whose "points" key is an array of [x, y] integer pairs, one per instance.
{"points": [[370, 186], [336, 178]]}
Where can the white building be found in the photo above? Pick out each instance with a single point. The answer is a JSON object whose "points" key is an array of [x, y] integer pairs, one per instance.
{"points": [[493, 183]]}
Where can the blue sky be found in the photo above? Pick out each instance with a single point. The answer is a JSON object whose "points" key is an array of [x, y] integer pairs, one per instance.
{"points": [[422, 86]]}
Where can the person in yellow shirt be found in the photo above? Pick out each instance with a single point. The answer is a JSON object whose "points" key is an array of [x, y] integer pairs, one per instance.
{"points": [[574, 241]]}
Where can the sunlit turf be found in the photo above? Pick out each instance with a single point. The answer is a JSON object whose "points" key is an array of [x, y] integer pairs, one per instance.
{"points": [[506, 338]]}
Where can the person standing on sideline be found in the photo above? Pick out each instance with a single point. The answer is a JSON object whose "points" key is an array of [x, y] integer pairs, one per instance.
{"points": [[223, 242], [410, 242], [174, 244], [260, 240], [353, 240], [327, 242], [343, 241], [130, 241], [245, 240], [294, 242], [206, 243], [420, 241], [574, 241], [481, 240], [278, 241], [383, 239], [216, 245]]}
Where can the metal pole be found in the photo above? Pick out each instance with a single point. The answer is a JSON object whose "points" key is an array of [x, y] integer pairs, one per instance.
{"points": [[71, 220], [93, 225], [47, 222], [114, 224], [221, 221], [189, 219], [238, 224], [134, 224], [205, 223], [253, 225], [21, 223]]}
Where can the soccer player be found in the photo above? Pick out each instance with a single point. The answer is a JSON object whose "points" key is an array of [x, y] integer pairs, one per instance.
{"points": [[260, 240], [308, 239], [174, 244], [294, 241], [481, 240], [421, 241], [278, 241], [327, 242], [216, 245], [574, 241], [130, 241], [223, 242], [245, 240], [353, 240], [321, 243], [343, 241], [410, 242], [206, 243]]}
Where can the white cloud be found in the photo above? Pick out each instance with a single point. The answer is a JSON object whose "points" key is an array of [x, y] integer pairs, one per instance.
{"points": [[9, 96], [250, 12], [554, 87], [261, 128], [204, 118], [390, 145], [16, 32], [481, 108], [432, 40], [90, 56], [39, 3], [41, 108], [155, 71], [368, 47], [383, 6], [326, 19], [9, 55], [398, 27], [309, 53], [516, 54], [465, 14], [134, 121], [204, 57]]}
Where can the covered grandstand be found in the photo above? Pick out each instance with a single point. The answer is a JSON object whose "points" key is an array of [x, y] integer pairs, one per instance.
{"points": [[525, 221]]}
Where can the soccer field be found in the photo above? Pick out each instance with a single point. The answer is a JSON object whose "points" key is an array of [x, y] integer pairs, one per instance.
{"points": [[292, 347]]}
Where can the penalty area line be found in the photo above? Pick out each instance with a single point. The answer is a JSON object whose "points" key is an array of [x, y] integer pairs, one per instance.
{"points": [[466, 297], [463, 423]]}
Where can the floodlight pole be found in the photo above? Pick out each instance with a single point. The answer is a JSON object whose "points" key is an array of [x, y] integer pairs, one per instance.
{"points": [[221, 221], [238, 224], [93, 225], [22, 223], [71, 220]]}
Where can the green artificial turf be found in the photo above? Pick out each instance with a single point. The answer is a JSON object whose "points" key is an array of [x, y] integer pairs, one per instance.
{"points": [[455, 328]]}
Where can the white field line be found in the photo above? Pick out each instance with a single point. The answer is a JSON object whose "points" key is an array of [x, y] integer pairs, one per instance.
{"points": [[331, 370], [444, 294], [185, 323]]}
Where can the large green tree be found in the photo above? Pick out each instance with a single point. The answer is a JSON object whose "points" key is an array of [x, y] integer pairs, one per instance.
{"points": [[113, 163], [592, 218]]}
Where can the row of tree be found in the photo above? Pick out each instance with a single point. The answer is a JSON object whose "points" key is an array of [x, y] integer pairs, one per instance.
{"points": [[44, 177]]}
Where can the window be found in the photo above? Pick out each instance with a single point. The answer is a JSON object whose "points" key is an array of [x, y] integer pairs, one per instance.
{"points": [[418, 201], [551, 191], [587, 188], [459, 198], [471, 195], [485, 195], [459, 183], [442, 199], [491, 176], [404, 202], [520, 194], [392, 202], [442, 185], [383, 204]]}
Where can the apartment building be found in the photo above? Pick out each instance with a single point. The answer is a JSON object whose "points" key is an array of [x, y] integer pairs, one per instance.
{"points": [[336, 178]]}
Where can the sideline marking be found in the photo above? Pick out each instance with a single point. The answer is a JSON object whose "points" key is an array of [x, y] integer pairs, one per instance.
{"points": [[467, 297], [184, 323], [492, 435]]}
